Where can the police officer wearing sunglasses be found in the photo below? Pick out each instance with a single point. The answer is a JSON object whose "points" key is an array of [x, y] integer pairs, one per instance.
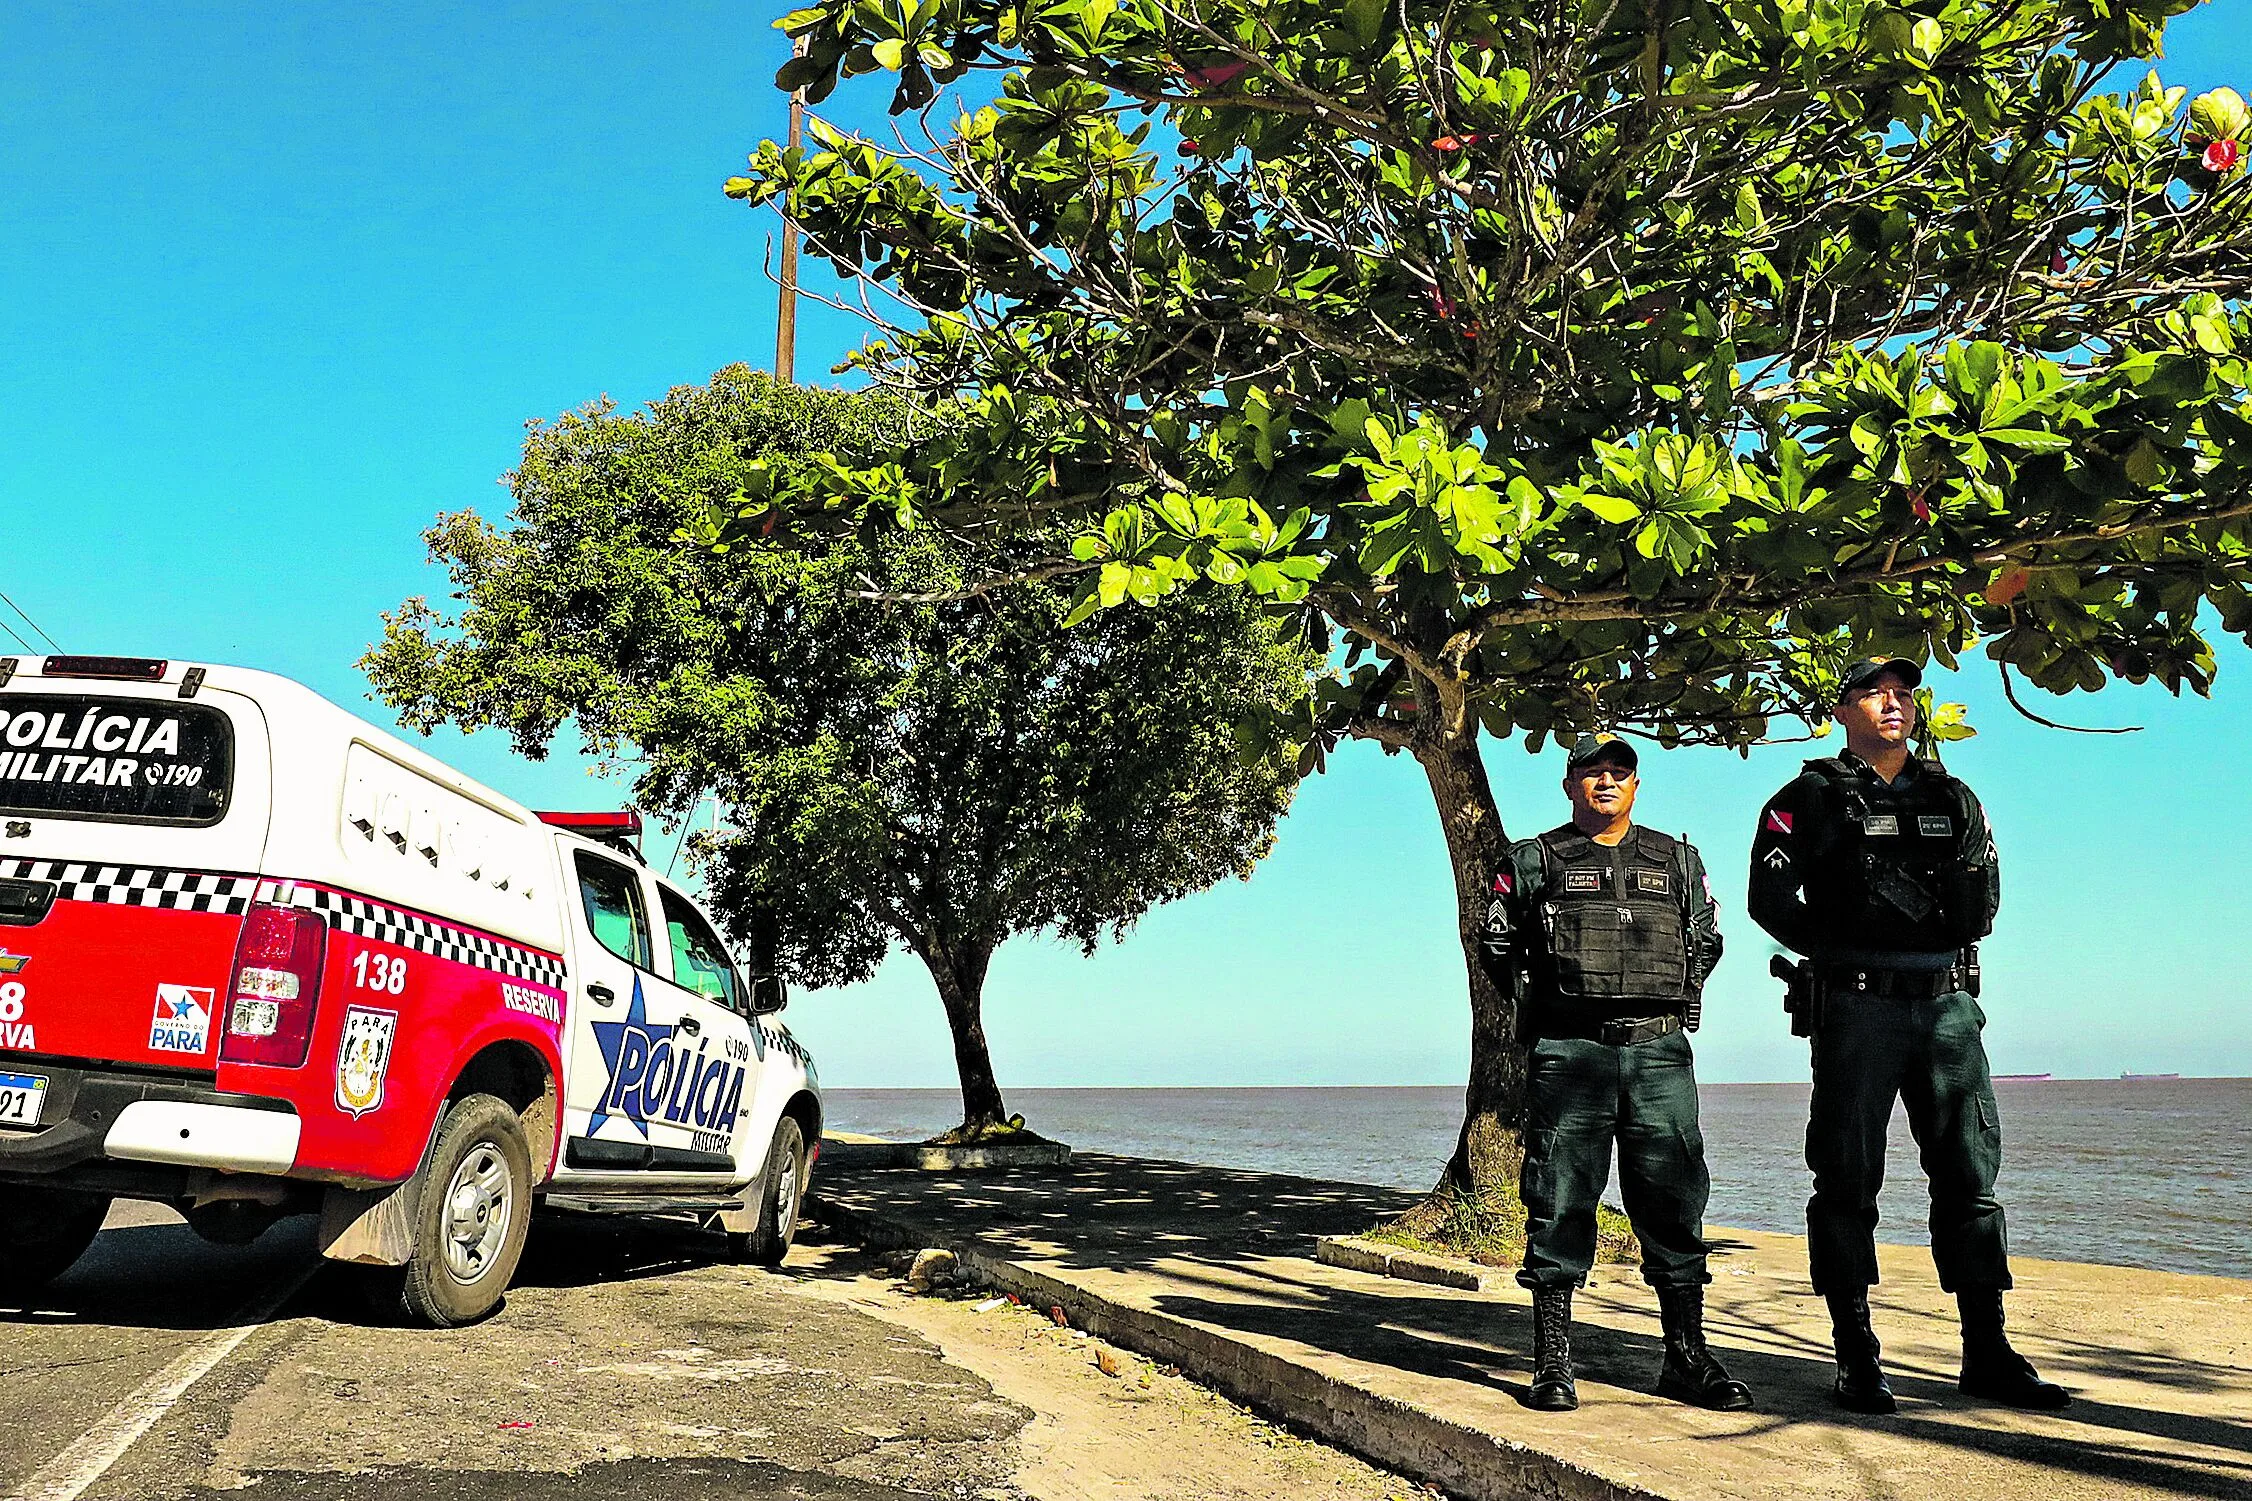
{"points": [[1604, 932]]}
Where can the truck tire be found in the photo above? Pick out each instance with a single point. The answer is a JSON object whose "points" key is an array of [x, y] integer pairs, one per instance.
{"points": [[472, 1211], [42, 1232], [780, 1187]]}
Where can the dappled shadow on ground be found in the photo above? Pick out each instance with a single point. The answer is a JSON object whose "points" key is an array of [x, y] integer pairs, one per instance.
{"points": [[1215, 1235], [1121, 1213], [1482, 1342]]}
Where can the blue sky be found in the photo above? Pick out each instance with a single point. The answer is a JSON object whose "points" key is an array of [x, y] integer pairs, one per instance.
{"points": [[282, 286]]}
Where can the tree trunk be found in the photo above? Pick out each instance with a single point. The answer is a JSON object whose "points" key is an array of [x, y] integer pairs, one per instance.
{"points": [[1490, 1150], [960, 974]]}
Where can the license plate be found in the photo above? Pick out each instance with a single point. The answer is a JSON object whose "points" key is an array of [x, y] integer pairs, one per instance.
{"points": [[21, 1097]]}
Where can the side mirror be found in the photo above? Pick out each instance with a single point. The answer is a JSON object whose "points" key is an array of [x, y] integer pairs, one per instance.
{"points": [[768, 994]]}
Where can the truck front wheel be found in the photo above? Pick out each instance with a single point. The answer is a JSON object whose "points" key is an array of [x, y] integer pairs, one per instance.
{"points": [[42, 1232], [780, 1188], [472, 1211]]}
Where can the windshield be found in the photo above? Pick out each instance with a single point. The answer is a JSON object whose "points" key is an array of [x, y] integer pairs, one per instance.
{"points": [[70, 755]]}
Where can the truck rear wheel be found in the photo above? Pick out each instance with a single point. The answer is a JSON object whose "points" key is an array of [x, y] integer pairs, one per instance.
{"points": [[42, 1232], [780, 1188], [472, 1211]]}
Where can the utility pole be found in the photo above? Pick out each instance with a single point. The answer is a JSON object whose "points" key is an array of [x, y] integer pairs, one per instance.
{"points": [[786, 312]]}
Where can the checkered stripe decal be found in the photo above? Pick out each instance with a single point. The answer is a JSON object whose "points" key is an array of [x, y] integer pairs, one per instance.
{"points": [[777, 1038], [202, 891], [138, 885], [411, 930]]}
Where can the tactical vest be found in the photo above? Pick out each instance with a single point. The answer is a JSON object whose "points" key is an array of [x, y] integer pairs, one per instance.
{"points": [[1613, 931], [1888, 871]]}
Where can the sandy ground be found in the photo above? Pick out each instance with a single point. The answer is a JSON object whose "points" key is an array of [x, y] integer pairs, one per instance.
{"points": [[1106, 1423]]}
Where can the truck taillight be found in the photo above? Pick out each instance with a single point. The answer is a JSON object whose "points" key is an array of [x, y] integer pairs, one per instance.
{"points": [[275, 987]]}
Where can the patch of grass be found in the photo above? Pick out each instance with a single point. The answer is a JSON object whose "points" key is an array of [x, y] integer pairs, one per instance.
{"points": [[1490, 1230], [992, 1132]]}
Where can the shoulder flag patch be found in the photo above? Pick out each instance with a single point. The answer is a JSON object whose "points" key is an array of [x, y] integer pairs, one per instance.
{"points": [[1505, 883], [1777, 820]]}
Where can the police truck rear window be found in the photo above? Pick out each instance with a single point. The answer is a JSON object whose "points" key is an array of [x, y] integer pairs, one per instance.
{"points": [[115, 759]]}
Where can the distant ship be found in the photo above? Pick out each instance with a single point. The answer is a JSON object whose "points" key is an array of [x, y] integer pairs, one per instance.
{"points": [[2145, 1078], [2019, 1078]]}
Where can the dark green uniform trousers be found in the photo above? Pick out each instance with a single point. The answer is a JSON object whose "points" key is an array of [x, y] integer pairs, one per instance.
{"points": [[1579, 1097], [1927, 1053]]}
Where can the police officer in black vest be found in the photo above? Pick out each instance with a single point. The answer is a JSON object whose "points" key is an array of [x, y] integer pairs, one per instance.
{"points": [[1604, 932], [1880, 868]]}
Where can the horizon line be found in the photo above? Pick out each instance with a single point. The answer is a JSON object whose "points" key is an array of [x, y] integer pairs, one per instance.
{"points": [[2150, 1078]]}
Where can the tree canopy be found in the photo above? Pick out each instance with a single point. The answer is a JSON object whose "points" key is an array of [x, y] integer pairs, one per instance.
{"points": [[1621, 363], [940, 775]]}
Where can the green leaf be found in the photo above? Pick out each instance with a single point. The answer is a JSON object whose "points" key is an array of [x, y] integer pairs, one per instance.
{"points": [[1089, 601], [1365, 20], [1514, 86], [2032, 440], [1949, 722], [1750, 216], [1610, 508], [2142, 464], [2219, 115], [798, 72]]}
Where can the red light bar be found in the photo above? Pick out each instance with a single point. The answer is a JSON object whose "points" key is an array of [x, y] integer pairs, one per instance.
{"points": [[120, 669], [596, 825]]}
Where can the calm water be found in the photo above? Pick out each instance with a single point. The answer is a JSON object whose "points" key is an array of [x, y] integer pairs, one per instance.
{"points": [[2155, 1174]]}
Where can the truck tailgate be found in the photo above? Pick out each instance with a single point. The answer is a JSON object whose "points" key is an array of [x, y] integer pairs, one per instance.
{"points": [[125, 964]]}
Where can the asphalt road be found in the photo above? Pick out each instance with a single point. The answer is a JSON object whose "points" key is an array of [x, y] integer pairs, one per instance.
{"points": [[626, 1361]]}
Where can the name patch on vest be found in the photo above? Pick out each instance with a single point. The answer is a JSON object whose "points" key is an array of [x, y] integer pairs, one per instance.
{"points": [[1933, 826], [1583, 880], [1880, 823], [1656, 881]]}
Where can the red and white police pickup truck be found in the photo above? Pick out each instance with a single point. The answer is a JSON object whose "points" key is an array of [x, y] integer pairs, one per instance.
{"points": [[258, 957]]}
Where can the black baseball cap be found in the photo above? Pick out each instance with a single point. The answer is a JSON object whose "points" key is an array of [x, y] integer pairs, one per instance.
{"points": [[1862, 671], [1591, 748]]}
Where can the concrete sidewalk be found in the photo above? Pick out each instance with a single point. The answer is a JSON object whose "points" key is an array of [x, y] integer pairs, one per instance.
{"points": [[1213, 1270]]}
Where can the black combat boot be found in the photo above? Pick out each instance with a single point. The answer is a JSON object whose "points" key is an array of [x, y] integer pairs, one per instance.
{"points": [[1553, 1389], [1690, 1373], [1991, 1368], [1861, 1386]]}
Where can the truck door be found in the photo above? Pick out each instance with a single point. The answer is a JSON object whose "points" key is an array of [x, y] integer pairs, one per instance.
{"points": [[637, 1040], [721, 1073]]}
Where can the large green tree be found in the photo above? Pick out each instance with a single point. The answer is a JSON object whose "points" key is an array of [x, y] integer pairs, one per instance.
{"points": [[1619, 363], [940, 775]]}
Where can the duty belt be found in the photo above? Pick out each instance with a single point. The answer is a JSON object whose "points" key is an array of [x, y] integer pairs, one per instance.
{"points": [[1905, 984], [1620, 1032]]}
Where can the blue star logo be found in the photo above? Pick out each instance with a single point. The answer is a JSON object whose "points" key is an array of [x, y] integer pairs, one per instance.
{"points": [[616, 1040]]}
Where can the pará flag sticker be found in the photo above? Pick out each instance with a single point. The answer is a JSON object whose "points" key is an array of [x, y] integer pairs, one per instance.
{"points": [[1777, 820]]}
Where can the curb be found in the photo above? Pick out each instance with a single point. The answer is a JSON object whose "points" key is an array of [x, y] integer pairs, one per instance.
{"points": [[945, 1159], [1356, 1254], [1399, 1436]]}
